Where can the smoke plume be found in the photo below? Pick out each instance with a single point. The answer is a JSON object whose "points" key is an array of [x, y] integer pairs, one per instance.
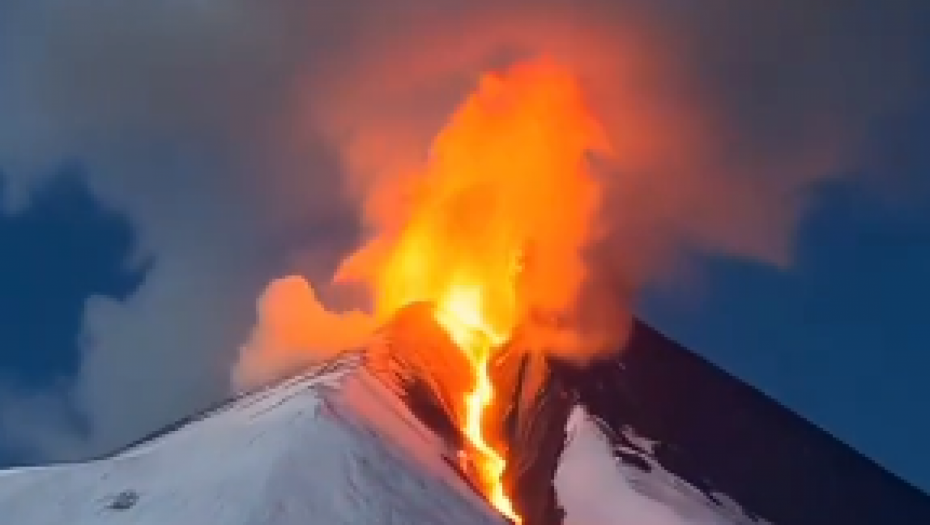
{"points": [[243, 139], [682, 174], [295, 330]]}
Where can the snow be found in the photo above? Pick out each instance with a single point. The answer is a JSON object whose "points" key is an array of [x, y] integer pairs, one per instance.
{"points": [[297, 453], [334, 446], [595, 488]]}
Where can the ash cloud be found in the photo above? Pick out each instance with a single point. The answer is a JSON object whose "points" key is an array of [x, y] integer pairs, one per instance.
{"points": [[295, 330], [241, 136]]}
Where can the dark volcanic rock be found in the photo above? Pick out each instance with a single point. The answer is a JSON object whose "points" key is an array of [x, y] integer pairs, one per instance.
{"points": [[534, 426], [721, 435]]}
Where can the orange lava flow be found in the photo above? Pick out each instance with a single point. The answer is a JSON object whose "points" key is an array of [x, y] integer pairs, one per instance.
{"points": [[506, 175], [460, 314]]}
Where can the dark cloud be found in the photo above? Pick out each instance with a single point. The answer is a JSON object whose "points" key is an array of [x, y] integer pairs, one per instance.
{"points": [[236, 135]]}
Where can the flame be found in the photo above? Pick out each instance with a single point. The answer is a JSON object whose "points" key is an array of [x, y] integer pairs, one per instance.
{"points": [[506, 176]]}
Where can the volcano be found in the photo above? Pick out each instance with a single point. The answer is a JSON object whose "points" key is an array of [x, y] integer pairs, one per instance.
{"points": [[660, 404], [657, 436]]}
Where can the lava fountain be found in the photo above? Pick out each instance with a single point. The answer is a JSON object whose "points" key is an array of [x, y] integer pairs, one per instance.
{"points": [[507, 179]]}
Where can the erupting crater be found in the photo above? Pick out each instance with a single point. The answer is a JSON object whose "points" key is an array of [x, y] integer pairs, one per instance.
{"points": [[507, 180], [490, 411]]}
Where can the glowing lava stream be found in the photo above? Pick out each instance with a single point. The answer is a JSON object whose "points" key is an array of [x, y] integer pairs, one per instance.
{"points": [[459, 313]]}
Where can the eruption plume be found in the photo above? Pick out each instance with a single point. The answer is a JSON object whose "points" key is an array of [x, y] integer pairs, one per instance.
{"points": [[561, 185], [294, 330], [493, 228], [499, 219]]}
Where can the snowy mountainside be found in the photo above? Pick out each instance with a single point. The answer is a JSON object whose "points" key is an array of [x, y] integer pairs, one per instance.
{"points": [[596, 487], [722, 436], [319, 448], [340, 444]]}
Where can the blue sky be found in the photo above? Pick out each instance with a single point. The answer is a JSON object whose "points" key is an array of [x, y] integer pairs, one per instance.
{"points": [[839, 336], [64, 249], [842, 337]]}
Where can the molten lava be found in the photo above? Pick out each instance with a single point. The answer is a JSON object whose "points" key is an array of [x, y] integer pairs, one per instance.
{"points": [[507, 178], [460, 314]]}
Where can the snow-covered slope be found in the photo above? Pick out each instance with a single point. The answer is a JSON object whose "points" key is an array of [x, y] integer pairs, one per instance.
{"points": [[368, 438], [320, 448], [596, 488]]}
